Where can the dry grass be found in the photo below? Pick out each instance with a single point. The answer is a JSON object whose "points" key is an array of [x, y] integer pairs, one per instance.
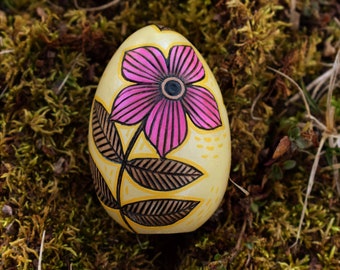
{"points": [[329, 130]]}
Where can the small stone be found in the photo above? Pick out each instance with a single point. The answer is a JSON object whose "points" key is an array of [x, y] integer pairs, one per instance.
{"points": [[7, 210]]}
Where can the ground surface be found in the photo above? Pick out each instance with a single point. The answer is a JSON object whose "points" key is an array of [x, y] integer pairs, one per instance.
{"points": [[51, 58]]}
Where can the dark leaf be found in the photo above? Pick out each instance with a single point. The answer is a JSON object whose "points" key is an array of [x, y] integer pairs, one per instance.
{"points": [[302, 143], [105, 134], [289, 164], [159, 212], [161, 174], [276, 172], [103, 192]]}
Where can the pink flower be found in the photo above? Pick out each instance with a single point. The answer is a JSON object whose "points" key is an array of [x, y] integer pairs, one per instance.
{"points": [[163, 93]]}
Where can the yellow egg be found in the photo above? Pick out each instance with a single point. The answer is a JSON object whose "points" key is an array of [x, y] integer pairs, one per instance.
{"points": [[159, 137]]}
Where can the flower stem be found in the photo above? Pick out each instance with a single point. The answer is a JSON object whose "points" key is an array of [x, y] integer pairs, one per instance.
{"points": [[122, 169]]}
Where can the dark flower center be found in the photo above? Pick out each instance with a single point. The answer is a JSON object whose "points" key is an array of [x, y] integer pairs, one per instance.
{"points": [[173, 88]]}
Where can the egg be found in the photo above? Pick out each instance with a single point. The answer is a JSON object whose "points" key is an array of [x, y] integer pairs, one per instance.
{"points": [[159, 137]]}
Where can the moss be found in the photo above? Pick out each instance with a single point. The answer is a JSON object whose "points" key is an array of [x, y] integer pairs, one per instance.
{"points": [[51, 58]]}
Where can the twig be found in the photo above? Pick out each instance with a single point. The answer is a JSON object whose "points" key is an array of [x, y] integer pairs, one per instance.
{"points": [[297, 86], [329, 131], [330, 117], [319, 124], [246, 192], [334, 143], [330, 168], [6, 51], [318, 82], [330, 110], [294, 16], [99, 8], [240, 237], [336, 137], [58, 90], [314, 85], [310, 186], [41, 250], [309, 115], [292, 6], [253, 107], [3, 91]]}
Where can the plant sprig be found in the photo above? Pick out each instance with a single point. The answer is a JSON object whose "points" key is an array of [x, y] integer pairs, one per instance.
{"points": [[329, 132]]}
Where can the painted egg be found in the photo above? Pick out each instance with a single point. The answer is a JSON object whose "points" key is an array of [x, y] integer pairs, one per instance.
{"points": [[159, 137]]}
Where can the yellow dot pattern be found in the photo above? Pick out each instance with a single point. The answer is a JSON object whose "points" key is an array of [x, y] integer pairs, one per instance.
{"points": [[210, 146]]}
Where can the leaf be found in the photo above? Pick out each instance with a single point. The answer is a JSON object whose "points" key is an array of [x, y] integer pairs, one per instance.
{"points": [[282, 148], [294, 133], [105, 134], [276, 172], [161, 174], [158, 212], [102, 190], [289, 164], [302, 143]]}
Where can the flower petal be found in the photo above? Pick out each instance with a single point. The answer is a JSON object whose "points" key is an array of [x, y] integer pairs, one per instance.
{"points": [[133, 103], [166, 126], [184, 63], [144, 65], [201, 107]]}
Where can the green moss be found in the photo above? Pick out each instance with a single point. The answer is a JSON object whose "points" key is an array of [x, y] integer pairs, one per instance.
{"points": [[51, 59]]}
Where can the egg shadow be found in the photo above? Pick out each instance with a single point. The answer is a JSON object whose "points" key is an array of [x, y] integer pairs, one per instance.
{"points": [[168, 249]]}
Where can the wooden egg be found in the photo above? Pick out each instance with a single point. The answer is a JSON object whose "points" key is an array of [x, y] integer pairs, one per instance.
{"points": [[159, 137]]}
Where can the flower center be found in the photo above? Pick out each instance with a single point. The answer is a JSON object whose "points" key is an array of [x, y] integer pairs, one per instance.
{"points": [[172, 88]]}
